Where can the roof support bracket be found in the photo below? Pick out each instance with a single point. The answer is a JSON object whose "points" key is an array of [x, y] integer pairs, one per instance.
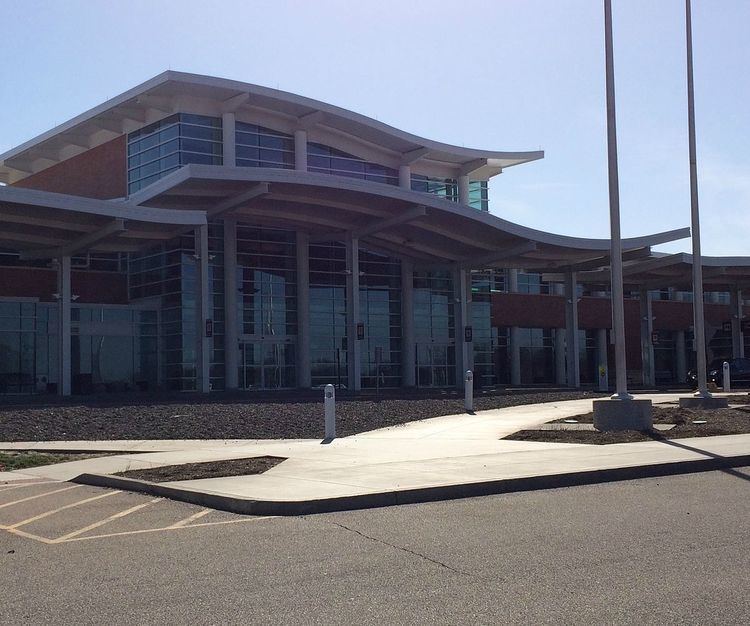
{"points": [[81, 244]]}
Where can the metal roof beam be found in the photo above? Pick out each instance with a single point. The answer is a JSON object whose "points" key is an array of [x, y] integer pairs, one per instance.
{"points": [[604, 261], [408, 158], [653, 264], [81, 244], [472, 166], [376, 226], [235, 102], [261, 189]]}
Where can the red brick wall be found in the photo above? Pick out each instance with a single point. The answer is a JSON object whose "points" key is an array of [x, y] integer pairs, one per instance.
{"points": [[97, 173], [90, 287]]}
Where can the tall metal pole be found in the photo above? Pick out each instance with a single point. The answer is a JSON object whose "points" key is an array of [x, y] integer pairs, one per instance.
{"points": [[618, 306], [699, 340]]}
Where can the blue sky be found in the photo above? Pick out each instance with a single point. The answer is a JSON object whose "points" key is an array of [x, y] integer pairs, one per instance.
{"points": [[496, 74]]}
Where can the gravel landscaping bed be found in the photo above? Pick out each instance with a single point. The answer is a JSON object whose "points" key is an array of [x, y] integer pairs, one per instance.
{"points": [[208, 469], [235, 416], [731, 421]]}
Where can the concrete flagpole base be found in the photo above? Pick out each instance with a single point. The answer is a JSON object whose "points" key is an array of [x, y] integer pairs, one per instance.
{"points": [[620, 413]]}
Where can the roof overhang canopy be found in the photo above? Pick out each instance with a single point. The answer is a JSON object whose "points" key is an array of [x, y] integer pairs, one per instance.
{"points": [[431, 230], [675, 270], [43, 225], [172, 92]]}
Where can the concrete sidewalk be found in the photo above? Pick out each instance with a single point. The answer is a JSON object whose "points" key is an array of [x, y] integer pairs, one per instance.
{"points": [[450, 456]]}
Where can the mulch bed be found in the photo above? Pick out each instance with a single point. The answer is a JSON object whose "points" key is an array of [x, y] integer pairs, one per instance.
{"points": [[234, 416], [209, 469], [732, 421]]}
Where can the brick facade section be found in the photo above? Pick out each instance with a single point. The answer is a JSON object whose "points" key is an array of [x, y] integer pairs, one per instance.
{"points": [[90, 287], [97, 173]]}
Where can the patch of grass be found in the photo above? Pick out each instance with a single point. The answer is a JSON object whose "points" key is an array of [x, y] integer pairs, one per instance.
{"points": [[209, 469], [24, 459]]}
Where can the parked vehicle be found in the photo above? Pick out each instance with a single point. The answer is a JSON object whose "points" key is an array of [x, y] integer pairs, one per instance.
{"points": [[739, 373]]}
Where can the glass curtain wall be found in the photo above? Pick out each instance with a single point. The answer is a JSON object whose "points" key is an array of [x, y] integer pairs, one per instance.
{"points": [[380, 311], [587, 354], [484, 336], [328, 340], [327, 160], [665, 357], [258, 146], [160, 148], [537, 347], [435, 329], [18, 337], [267, 265]]}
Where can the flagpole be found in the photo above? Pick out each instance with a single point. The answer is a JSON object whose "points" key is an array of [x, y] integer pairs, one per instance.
{"points": [[618, 307], [699, 336]]}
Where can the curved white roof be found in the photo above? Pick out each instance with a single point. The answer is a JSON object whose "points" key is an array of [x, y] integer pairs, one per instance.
{"points": [[171, 92]]}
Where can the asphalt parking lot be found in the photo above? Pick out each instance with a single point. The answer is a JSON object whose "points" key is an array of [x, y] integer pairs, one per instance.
{"points": [[653, 551], [57, 512]]}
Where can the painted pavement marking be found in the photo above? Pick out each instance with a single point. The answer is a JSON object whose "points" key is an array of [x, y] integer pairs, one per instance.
{"points": [[193, 517], [40, 495], [57, 510], [111, 518]]}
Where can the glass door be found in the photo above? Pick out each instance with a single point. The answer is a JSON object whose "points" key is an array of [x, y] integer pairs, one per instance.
{"points": [[436, 365]]}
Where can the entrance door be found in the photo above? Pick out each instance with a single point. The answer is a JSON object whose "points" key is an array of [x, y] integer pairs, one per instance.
{"points": [[267, 365], [436, 365]]}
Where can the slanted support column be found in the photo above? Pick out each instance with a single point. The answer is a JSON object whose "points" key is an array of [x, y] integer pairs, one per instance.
{"points": [[64, 353], [464, 349], [203, 303], [231, 321], [738, 339], [404, 177], [602, 359], [227, 132], [571, 330], [354, 345], [300, 150], [514, 339], [680, 356], [408, 340], [647, 345], [303, 310], [463, 189]]}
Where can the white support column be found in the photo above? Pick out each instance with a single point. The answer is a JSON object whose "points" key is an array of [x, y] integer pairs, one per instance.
{"points": [[303, 311], [560, 376], [462, 314], [227, 132], [203, 304], [354, 345], [408, 340], [463, 189], [300, 150], [514, 337], [404, 176], [738, 339], [64, 353], [647, 345], [572, 358], [231, 321], [602, 359], [680, 356]]}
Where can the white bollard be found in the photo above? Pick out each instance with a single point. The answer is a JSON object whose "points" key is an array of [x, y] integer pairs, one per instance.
{"points": [[330, 408], [469, 391], [726, 379]]}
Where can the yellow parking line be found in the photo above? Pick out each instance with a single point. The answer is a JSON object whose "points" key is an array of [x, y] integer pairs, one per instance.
{"points": [[4, 488], [23, 533], [62, 508], [111, 518], [187, 520], [41, 495], [167, 528]]}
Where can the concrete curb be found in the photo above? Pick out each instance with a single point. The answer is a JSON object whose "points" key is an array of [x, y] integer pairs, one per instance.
{"points": [[248, 506]]}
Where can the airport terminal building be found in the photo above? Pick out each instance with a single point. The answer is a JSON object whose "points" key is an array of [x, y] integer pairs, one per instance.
{"points": [[197, 233]]}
